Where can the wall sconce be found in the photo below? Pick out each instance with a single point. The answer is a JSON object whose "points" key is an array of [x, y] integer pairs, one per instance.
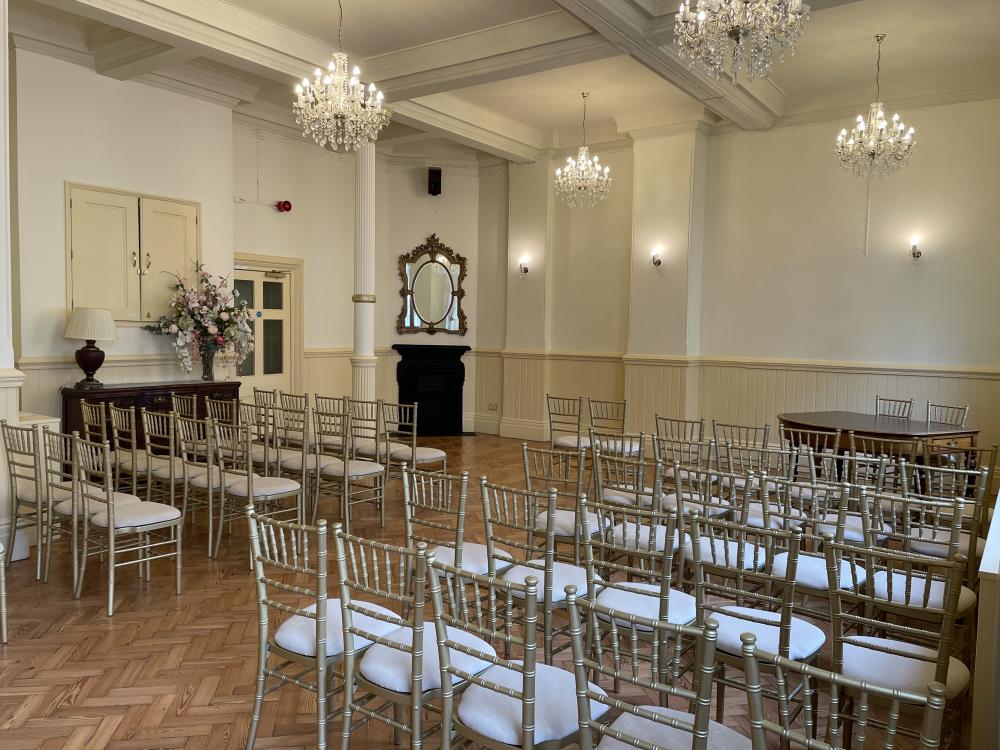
{"points": [[915, 252], [522, 264], [654, 258]]}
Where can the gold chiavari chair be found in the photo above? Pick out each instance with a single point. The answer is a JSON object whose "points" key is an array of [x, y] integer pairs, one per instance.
{"points": [[692, 430], [823, 461], [295, 446], [3, 595], [651, 727], [400, 424], [260, 419], [200, 475], [239, 486], [753, 436], [517, 702], [510, 515], [631, 445], [435, 514], [184, 404], [289, 402], [402, 670], [563, 471], [160, 431], [306, 649], [608, 423], [353, 480], [872, 643], [371, 438], [823, 724], [226, 410], [893, 407], [627, 481], [566, 423], [735, 585], [869, 447], [265, 397], [703, 490], [27, 488], [131, 454], [687, 454], [632, 568], [113, 529], [949, 415]]}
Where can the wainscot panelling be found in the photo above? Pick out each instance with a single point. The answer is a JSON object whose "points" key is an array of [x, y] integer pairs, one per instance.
{"points": [[44, 376], [11, 383], [524, 388], [657, 385], [327, 371], [489, 390], [755, 391]]}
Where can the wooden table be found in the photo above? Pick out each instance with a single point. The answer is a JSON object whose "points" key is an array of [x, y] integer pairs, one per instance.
{"points": [[870, 425]]}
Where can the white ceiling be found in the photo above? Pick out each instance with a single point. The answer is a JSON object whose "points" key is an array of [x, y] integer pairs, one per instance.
{"points": [[374, 27]]}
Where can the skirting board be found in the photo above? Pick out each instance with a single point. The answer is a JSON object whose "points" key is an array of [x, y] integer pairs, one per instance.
{"points": [[523, 429]]}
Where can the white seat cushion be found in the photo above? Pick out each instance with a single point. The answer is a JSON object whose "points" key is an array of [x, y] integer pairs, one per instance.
{"points": [[900, 672], [915, 598], [571, 441], [294, 461], [626, 497], [563, 575], [498, 716], [141, 461], [391, 668], [65, 508], [136, 515], [298, 633], [810, 571], [805, 640], [935, 542], [643, 599], [854, 530], [720, 737], [712, 506], [627, 535], [755, 517], [162, 468], [26, 491], [565, 523], [681, 474], [621, 446], [355, 469], [422, 455], [752, 559], [258, 452], [366, 448], [474, 557], [201, 479], [265, 487]]}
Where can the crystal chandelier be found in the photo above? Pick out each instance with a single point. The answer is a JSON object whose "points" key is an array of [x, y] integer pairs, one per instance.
{"points": [[738, 32], [875, 147], [336, 108], [583, 181]]}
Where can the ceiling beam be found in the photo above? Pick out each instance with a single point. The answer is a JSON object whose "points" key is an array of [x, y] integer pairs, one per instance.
{"points": [[628, 27], [123, 55]]}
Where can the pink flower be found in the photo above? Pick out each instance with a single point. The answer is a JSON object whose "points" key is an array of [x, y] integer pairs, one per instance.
{"points": [[212, 330], [219, 340], [224, 316], [174, 328]]}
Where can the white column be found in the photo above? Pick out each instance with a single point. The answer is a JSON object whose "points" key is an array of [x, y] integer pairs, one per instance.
{"points": [[363, 360]]}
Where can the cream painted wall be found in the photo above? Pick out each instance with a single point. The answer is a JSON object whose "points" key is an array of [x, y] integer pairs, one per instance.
{"points": [[492, 269], [529, 230], [319, 229], [785, 271], [120, 135]]}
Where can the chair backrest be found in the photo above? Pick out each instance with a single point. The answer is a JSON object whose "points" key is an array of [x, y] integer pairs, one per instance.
{"points": [[24, 459], [159, 428], [223, 409], [399, 421], [561, 470], [893, 407], [289, 564], [511, 517], [500, 612], [184, 404], [824, 447], [608, 416], [233, 453], [753, 436], [565, 418], [817, 708], [944, 414], [932, 523], [332, 425], [619, 632], [195, 442], [893, 581], [299, 401], [694, 454], [61, 467], [434, 505], [628, 480], [692, 430], [94, 480], [265, 397], [711, 492], [733, 566], [814, 507], [292, 427], [870, 447], [95, 421], [631, 444], [124, 431], [776, 462], [366, 427]]}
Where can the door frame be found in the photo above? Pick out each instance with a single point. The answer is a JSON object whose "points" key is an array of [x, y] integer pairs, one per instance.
{"points": [[295, 268]]}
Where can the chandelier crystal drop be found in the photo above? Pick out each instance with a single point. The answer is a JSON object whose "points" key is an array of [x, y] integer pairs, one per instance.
{"points": [[583, 181], [875, 147], [738, 34], [336, 108]]}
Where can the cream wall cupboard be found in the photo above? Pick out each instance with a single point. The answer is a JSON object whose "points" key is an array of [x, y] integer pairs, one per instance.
{"points": [[123, 249]]}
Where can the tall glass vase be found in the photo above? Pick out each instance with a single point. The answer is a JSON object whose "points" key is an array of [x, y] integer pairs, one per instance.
{"points": [[208, 364]]}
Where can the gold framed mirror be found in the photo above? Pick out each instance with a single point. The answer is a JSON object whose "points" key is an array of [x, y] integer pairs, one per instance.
{"points": [[432, 276]]}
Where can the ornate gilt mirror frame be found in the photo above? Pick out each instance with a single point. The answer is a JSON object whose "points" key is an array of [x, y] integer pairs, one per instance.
{"points": [[434, 252]]}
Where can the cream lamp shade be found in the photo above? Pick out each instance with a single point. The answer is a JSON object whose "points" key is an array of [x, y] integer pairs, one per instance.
{"points": [[91, 324]]}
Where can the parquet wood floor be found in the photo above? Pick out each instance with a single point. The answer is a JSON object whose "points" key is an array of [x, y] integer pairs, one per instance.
{"points": [[177, 671]]}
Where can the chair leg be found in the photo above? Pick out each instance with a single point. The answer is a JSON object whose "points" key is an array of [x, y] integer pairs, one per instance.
{"points": [[720, 695], [11, 533], [111, 573], [321, 698], [78, 589], [178, 532], [3, 601], [258, 698], [345, 728]]}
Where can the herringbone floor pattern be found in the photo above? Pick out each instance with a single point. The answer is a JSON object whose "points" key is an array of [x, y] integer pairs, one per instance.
{"points": [[178, 672]]}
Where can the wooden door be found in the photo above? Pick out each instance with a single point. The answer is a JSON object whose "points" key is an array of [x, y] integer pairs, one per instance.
{"points": [[267, 295], [169, 247]]}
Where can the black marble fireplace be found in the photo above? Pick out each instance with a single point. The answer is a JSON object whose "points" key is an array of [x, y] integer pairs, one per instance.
{"points": [[432, 376]]}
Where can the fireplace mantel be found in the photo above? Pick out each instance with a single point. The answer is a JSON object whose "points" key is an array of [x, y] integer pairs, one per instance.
{"points": [[433, 377]]}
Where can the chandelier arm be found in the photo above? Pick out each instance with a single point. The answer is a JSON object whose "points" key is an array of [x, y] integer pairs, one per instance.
{"points": [[340, 27], [585, 118]]}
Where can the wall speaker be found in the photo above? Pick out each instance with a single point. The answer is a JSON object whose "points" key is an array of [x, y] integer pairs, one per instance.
{"points": [[434, 180]]}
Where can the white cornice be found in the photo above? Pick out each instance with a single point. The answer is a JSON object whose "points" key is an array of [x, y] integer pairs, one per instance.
{"points": [[203, 82], [264, 130], [45, 35]]}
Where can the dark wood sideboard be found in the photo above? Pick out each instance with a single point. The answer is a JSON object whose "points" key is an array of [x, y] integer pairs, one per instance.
{"points": [[152, 396]]}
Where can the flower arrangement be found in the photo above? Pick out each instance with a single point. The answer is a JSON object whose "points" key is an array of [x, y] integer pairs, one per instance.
{"points": [[206, 319]]}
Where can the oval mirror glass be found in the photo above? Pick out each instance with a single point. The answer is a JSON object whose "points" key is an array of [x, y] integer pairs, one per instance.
{"points": [[432, 292]]}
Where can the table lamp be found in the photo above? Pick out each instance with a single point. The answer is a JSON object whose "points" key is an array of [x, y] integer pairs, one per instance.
{"points": [[90, 324]]}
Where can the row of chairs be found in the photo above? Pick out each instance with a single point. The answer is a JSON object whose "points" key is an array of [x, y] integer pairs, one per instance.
{"points": [[665, 596]]}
